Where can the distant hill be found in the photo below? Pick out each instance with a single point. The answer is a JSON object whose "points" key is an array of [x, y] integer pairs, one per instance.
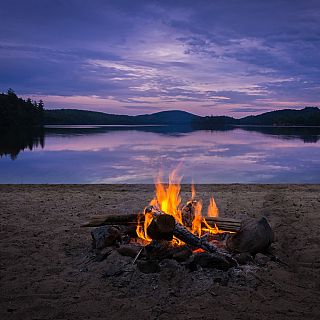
{"points": [[17, 112], [73, 116], [309, 116]]}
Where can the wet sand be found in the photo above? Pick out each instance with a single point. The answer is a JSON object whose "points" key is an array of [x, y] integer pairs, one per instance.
{"points": [[43, 250]]}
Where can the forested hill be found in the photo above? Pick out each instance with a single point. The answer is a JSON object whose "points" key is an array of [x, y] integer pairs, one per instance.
{"points": [[73, 116], [17, 112], [309, 116], [306, 117]]}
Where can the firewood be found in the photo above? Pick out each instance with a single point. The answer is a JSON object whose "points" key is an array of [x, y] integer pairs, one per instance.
{"points": [[255, 236], [161, 227], [188, 213], [113, 219], [226, 224], [183, 234]]}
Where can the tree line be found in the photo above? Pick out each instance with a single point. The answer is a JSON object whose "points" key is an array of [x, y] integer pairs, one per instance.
{"points": [[308, 116], [17, 112]]}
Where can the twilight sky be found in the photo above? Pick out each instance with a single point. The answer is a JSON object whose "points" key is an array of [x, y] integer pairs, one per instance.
{"points": [[143, 56]]}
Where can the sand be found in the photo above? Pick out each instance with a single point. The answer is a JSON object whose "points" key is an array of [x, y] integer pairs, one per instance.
{"points": [[44, 273]]}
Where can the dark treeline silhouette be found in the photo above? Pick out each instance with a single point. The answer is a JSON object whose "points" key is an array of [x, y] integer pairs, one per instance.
{"points": [[21, 124], [13, 141], [79, 117], [309, 116], [17, 112]]}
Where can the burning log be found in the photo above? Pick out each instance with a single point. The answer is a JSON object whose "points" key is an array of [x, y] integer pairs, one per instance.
{"points": [[188, 213], [176, 229], [226, 224], [161, 227], [255, 236]]}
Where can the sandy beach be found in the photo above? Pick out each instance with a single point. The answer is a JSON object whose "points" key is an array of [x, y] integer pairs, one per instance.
{"points": [[44, 273]]}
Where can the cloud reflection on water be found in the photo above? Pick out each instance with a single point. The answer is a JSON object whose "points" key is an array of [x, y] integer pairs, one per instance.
{"points": [[134, 156]]}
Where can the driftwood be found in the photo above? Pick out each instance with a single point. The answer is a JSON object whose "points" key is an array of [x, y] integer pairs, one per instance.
{"points": [[255, 236], [226, 224]]}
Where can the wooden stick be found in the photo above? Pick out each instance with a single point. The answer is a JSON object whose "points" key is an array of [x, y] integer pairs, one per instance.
{"points": [[227, 224]]}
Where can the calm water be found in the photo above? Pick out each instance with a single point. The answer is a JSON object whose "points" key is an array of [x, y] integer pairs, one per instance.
{"points": [[102, 154]]}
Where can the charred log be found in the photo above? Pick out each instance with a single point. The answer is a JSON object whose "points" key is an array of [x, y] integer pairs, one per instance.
{"points": [[161, 227], [183, 234]]}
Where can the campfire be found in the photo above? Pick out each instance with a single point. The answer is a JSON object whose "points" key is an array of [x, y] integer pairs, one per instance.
{"points": [[168, 229]]}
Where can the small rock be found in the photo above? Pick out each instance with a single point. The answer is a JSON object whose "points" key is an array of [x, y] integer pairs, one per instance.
{"points": [[104, 236], [261, 259], [85, 269], [183, 254], [191, 264], [170, 264], [148, 266], [211, 260], [243, 258], [129, 250], [222, 280], [116, 264], [102, 254]]}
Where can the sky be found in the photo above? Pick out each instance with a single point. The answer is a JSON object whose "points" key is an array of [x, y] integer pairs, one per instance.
{"points": [[208, 57]]}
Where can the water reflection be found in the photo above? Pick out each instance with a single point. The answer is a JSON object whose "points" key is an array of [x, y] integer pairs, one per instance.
{"points": [[307, 134], [13, 141], [103, 154]]}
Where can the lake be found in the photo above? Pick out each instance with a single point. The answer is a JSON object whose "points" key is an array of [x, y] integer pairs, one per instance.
{"points": [[122, 154]]}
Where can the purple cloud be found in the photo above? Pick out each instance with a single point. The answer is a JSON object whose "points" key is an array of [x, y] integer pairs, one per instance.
{"points": [[208, 57]]}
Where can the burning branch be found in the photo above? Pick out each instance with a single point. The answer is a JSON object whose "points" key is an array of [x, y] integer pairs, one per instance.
{"points": [[226, 224]]}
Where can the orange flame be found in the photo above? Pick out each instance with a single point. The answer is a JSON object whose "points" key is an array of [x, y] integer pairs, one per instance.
{"points": [[193, 191], [141, 229], [213, 210], [196, 223], [167, 199], [212, 230]]}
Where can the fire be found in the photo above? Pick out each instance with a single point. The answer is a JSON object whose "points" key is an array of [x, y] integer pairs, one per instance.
{"points": [[167, 199], [142, 228], [193, 191], [213, 210], [197, 221]]}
